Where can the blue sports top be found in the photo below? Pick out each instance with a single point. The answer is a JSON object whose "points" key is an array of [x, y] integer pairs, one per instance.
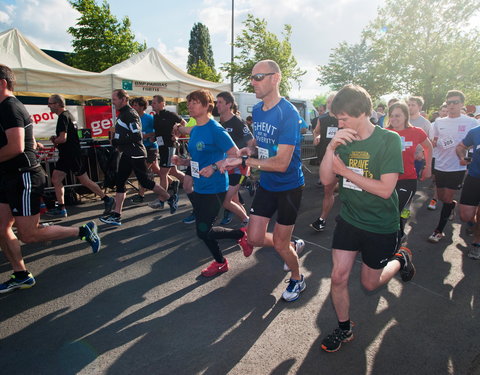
{"points": [[279, 125]]}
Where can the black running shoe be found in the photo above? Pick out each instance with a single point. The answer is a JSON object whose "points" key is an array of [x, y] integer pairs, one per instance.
{"points": [[408, 270], [334, 341], [173, 203], [319, 224]]}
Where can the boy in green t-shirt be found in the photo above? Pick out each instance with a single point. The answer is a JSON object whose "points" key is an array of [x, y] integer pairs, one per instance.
{"points": [[367, 161]]}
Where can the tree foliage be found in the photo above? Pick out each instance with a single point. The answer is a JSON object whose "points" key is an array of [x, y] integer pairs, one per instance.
{"points": [[417, 47], [256, 43], [200, 48], [99, 39], [201, 70]]}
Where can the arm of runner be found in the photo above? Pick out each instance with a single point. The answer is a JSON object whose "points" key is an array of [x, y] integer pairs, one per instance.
{"points": [[62, 138], [382, 188], [316, 134], [427, 149], [15, 144], [461, 151]]}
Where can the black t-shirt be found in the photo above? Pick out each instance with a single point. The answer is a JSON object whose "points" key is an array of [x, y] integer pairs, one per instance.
{"points": [[238, 131], [66, 123], [328, 128], [163, 124], [13, 114]]}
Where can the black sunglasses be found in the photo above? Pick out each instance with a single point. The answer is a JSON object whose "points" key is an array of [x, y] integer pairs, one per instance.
{"points": [[453, 102], [260, 76]]}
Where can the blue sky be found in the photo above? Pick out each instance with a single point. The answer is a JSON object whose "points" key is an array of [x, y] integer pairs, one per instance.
{"points": [[318, 26]]}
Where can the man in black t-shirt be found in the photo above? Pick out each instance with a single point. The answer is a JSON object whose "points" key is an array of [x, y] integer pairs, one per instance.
{"points": [[242, 137], [70, 158], [22, 181], [163, 123], [324, 131], [127, 137]]}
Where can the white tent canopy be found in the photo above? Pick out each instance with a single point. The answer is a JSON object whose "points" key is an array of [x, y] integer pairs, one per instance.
{"points": [[149, 73], [38, 74]]}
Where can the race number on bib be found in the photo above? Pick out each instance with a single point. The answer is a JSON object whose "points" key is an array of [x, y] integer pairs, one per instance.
{"points": [[347, 184], [331, 131], [447, 142], [160, 141], [262, 153], [195, 167]]}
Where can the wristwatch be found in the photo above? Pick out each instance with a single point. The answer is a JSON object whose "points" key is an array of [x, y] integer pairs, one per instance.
{"points": [[215, 167], [244, 160]]}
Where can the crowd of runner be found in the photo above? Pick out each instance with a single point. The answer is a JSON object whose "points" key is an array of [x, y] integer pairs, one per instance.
{"points": [[373, 159]]}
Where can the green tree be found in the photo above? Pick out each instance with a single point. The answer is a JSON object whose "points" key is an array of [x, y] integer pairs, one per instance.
{"points": [[201, 70], [99, 39], [353, 64], [257, 43], [319, 100], [426, 47], [200, 61]]}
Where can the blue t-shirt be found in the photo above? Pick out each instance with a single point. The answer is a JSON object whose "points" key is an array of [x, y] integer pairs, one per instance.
{"points": [[147, 127], [207, 145], [279, 125], [473, 139]]}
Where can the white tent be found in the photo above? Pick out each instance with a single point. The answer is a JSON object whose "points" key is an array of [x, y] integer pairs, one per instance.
{"points": [[149, 73], [38, 74]]}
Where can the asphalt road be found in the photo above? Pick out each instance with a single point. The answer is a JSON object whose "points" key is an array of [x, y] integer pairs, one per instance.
{"points": [[140, 306]]}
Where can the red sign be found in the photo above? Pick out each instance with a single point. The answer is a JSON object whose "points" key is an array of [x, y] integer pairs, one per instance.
{"points": [[99, 119]]}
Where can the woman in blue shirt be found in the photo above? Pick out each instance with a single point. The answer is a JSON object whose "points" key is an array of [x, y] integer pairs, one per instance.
{"points": [[208, 146]]}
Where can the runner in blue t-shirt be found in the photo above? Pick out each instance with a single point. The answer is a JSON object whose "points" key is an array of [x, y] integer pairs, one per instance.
{"points": [[208, 145], [470, 197], [276, 126]]}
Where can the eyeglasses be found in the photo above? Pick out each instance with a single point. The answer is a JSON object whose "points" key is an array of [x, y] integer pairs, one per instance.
{"points": [[453, 102], [260, 76]]}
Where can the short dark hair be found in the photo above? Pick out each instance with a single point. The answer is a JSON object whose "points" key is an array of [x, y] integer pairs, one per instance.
{"points": [[141, 101], [203, 96], [121, 93], [8, 75], [229, 99], [404, 108], [456, 93], [160, 98], [352, 100]]}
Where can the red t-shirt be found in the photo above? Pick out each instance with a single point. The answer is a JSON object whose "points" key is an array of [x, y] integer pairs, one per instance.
{"points": [[411, 137]]}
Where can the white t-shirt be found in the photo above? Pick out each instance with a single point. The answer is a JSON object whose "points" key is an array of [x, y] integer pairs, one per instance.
{"points": [[450, 132]]}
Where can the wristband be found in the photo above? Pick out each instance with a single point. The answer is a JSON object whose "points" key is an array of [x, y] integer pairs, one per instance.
{"points": [[244, 160], [215, 167]]}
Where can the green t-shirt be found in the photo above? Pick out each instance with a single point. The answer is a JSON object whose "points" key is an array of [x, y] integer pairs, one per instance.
{"points": [[379, 154]]}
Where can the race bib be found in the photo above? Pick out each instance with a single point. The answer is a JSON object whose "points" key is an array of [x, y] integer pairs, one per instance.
{"points": [[160, 141], [262, 153], [347, 184], [447, 142], [195, 167], [331, 131]]}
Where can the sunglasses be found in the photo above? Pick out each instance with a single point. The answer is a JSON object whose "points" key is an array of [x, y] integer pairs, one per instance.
{"points": [[453, 102], [260, 76]]}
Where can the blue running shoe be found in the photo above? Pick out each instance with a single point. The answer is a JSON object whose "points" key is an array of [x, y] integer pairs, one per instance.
{"points": [[227, 217], [111, 219], [92, 236], [294, 288], [57, 212], [173, 203], [16, 283], [190, 219]]}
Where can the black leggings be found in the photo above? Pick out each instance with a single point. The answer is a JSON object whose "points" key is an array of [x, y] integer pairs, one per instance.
{"points": [[206, 207], [126, 165], [406, 190]]}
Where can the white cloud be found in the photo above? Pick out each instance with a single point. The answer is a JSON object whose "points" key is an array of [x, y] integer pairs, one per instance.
{"points": [[5, 18], [44, 22], [176, 55]]}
